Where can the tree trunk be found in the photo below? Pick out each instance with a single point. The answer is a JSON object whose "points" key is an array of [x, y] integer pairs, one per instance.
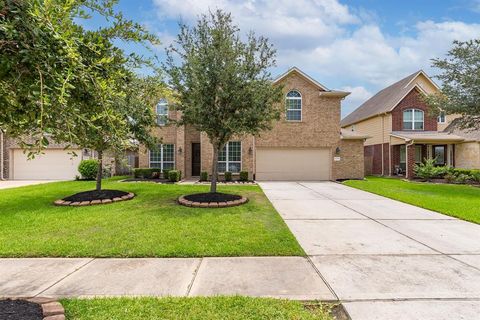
{"points": [[99, 171], [213, 184]]}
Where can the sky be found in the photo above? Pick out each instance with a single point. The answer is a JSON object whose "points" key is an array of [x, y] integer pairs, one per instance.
{"points": [[360, 46]]}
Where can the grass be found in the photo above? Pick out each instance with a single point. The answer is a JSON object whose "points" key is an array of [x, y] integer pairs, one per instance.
{"points": [[212, 308], [150, 225], [461, 201]]}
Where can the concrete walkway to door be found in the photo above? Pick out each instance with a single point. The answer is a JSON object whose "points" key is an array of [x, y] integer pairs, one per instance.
{"points": [[382, 258]]}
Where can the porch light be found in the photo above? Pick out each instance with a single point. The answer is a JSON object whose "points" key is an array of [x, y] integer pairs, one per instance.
{"points": [[250, 151], [337, 151], [180, 150]]}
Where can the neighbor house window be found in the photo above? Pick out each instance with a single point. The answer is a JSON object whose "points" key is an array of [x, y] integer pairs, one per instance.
{"points": [[162, 112], [294, 106], [163, 157], [418, 154], [230, 158], [441, 117], [413, 119]]}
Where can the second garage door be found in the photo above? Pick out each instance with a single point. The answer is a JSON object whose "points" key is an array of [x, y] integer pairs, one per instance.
{"points": [[55, 164], [292, 164]]}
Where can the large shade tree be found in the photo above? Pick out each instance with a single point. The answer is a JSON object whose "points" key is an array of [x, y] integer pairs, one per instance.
{"points": [[222, 83], [460, 77], [60, 81]]}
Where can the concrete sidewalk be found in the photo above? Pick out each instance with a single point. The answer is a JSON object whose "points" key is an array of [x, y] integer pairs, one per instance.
{"points": [[282, 277], [382, 258]]}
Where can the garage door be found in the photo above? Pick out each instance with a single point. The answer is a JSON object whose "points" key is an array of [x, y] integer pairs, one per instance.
{"points": [[55, 164], [292, 164]]}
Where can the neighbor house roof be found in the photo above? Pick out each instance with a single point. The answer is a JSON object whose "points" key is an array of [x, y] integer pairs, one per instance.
{"points": [[426, 136], [324, 91], [385, 100], [468, 134]]}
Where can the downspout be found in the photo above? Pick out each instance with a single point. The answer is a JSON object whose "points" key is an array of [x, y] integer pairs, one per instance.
{"points": [[1, 155]]}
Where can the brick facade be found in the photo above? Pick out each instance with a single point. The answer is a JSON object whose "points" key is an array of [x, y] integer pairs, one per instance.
{"points": [[319, 128], [413, 100]]}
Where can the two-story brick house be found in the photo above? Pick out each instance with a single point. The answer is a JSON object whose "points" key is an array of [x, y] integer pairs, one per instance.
{"points": [[403, 131], [306, 144]]}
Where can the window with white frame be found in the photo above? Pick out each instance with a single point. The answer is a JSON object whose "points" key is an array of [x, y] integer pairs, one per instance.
{"points": [[441, 117], [163, 157], [294, 106], [162, 112], [230, 158], [413, 119]]}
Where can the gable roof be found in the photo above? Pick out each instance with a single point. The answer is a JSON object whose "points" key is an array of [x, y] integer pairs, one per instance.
{"points": [[385, 100], [323, 90]]}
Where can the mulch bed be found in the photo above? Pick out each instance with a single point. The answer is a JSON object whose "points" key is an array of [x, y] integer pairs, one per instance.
{"points": [[20, 310], [212, 200], [93, 197], [96, 195], [212, 197]]}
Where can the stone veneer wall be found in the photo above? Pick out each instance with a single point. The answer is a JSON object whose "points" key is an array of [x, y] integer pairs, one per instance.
{"points": [[467, 155]]}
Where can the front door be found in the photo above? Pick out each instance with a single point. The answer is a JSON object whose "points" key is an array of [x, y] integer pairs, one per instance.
{"points": [[196, 159], [440, 155]]}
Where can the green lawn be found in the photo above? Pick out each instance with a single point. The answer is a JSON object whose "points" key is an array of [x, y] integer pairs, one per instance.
{"points": [[461, 201], [150, 225], [221, 308]]}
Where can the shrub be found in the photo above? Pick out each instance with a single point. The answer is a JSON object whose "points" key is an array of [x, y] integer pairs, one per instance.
{"points": [[145, 173], [88, 169], [462, 178], [203, 176], [425, 170], [243, 175], [228, 176], [476, 175], [166, 173], [174, 175], [450, 177]]}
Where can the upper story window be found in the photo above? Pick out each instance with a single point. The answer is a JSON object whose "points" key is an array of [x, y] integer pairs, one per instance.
{"points": [[230, 158], [162, 112], [294, 106], [413, 119], [441, 117]]}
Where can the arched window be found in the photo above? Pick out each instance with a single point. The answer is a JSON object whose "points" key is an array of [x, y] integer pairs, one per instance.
{"points": [[162, 112], [294, 106], [413, 119]]}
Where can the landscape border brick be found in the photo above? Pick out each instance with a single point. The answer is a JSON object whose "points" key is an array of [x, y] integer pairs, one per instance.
{"points": [[52, 309], [127, 197], [221, 204]]}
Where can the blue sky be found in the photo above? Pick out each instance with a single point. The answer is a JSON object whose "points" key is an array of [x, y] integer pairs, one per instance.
{"points": [[356, 45]]}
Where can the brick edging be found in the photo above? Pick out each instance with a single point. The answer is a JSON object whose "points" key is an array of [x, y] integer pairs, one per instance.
{"points": [[225, 204], [51, 308], [126, 197]]}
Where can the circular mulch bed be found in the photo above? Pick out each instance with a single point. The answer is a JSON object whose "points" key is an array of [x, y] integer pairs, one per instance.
{"points": [[212, 200], [31, 309], [94, 197]]}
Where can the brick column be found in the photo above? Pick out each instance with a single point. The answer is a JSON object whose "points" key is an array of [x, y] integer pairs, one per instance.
{"points": [[410, 161]]}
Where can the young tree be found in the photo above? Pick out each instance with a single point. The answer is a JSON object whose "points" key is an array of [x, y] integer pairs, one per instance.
{"points": [[460, 76], [222, 84]]}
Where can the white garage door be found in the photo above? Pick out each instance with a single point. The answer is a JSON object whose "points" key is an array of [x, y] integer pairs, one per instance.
{"points": [[55, 164], [292, 164]]}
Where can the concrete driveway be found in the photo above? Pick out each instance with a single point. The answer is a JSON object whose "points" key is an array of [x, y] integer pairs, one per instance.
{"points": [[382, 258], [7, 184]]}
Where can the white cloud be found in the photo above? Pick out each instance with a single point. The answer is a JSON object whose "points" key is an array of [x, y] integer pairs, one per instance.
{"points": [[357, 96], [338, 45]]}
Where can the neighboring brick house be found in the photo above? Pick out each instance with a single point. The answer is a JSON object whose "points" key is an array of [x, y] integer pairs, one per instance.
{"points": [[403, 131], [306, 144]]}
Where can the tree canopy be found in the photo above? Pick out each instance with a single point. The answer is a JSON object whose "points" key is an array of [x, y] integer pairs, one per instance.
{"points": [[460, 77], [222, 84]]}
